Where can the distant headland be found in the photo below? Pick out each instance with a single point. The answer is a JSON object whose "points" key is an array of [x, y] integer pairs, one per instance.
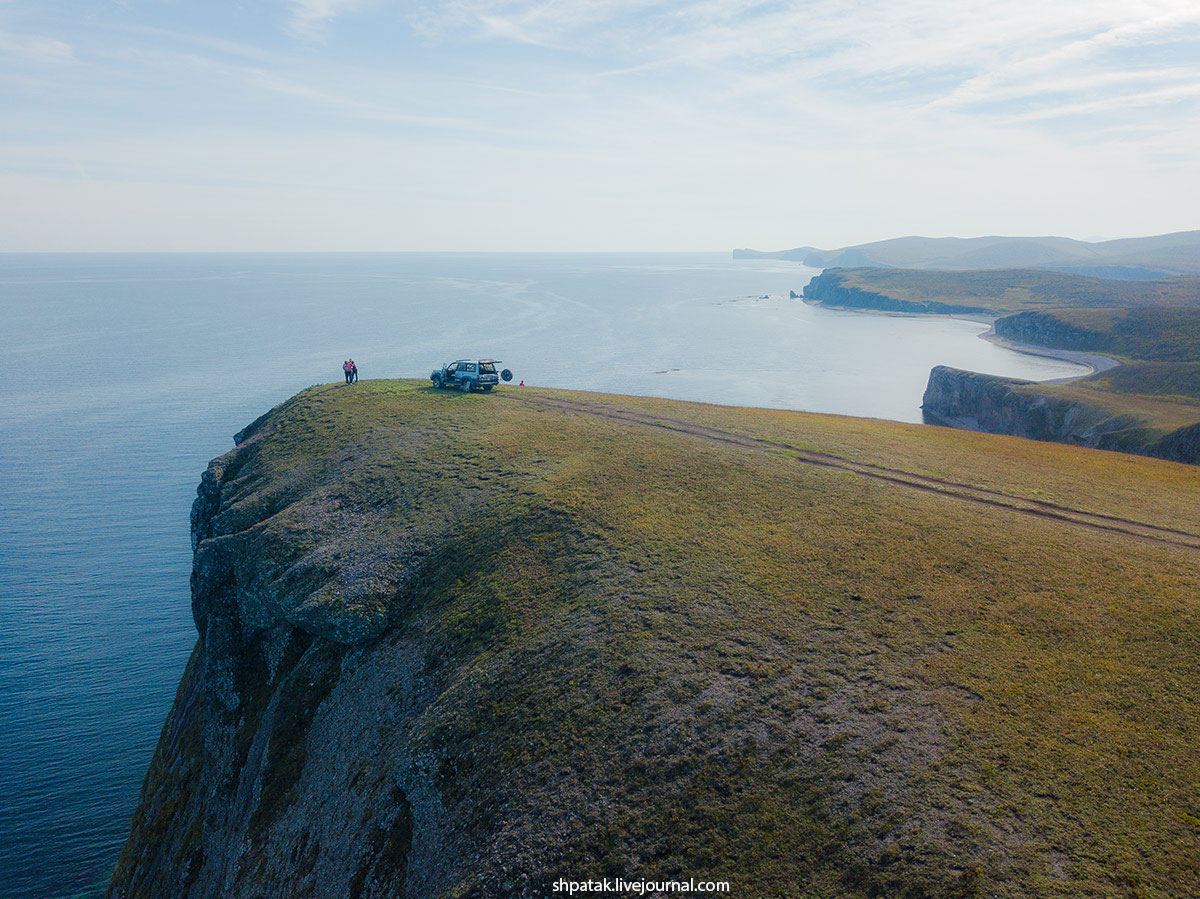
{"points": [[1161, 256]]}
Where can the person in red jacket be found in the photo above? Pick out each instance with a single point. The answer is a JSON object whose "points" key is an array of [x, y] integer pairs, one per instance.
{"points": [[346, 370]]}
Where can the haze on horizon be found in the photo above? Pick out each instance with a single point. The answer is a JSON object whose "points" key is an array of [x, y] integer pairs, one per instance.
{"points": [[592, 124]]}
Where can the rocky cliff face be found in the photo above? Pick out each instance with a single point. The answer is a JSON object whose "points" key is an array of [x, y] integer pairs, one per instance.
{"points": [[965, 399], [830, 289], [262, 783], [1045, 329]]}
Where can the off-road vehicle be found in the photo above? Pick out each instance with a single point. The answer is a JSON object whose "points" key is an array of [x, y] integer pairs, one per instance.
{"points": [[470, 374]]}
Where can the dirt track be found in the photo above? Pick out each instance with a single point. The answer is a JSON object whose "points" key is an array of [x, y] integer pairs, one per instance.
{"points": [[1095, 521]]}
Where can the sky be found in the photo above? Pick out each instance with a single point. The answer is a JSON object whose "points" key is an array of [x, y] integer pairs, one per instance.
{"points": [[591, 125]]}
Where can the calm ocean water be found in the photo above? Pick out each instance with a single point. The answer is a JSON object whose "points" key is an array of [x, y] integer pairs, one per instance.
{"points": [[122, 375]]}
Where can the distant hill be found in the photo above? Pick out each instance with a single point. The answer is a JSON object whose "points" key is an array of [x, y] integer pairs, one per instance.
{"points": [[1137, 258]]}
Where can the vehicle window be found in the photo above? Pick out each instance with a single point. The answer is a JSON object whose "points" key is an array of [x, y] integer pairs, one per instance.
{"points": [[470, 366], [451, 368], [487, 368]]}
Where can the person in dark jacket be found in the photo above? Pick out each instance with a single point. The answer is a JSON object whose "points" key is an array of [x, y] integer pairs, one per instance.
{"points": [[353, 372]]}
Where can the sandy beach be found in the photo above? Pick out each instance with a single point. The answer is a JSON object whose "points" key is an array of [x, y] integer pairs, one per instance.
{"points": [[1095, 361]]}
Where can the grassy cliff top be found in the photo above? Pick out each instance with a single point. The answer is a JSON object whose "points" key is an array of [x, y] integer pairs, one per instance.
{"points": [[1015, 290], [818, 656]]}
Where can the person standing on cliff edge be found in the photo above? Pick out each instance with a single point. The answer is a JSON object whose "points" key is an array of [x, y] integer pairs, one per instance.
{"points": [[353, 372], [346, 370]]}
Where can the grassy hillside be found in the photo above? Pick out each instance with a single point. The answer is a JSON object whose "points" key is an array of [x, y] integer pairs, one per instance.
{"points": [[813, 655], [1005, 291], [1152, 379]]}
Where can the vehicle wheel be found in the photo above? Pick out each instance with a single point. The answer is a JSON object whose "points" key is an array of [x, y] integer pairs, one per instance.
{"points": [[465, 387], [487, 388], [437, 381], [506, 375]]}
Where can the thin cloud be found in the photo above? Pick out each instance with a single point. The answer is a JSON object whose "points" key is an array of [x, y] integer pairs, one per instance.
{"points": [[1070, 84], [357, 106], [309, 17], [925, 54], [1126, 101], [207, 42], [35, 48], [503, 124]]}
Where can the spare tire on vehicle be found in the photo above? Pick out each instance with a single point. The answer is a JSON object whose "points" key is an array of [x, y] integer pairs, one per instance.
{"points": [[506, 375]]}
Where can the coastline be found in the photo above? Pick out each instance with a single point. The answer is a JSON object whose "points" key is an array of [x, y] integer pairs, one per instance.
{"points": [[979, 318], [1095, 361]]}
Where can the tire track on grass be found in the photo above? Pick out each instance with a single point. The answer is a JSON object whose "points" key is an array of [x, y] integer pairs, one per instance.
{"points": [[986, 496]]}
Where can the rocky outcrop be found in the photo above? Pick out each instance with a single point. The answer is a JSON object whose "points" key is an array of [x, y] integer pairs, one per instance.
{"points": [[830, 289], [978, 402]]}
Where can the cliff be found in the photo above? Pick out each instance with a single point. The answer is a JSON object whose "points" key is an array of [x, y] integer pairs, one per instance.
{"points": [[833, 287], [965, 399], [1050, 330], [463, 646]]}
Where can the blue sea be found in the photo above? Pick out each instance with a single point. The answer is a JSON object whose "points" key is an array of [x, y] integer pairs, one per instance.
{"points": [[122, 375]]}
